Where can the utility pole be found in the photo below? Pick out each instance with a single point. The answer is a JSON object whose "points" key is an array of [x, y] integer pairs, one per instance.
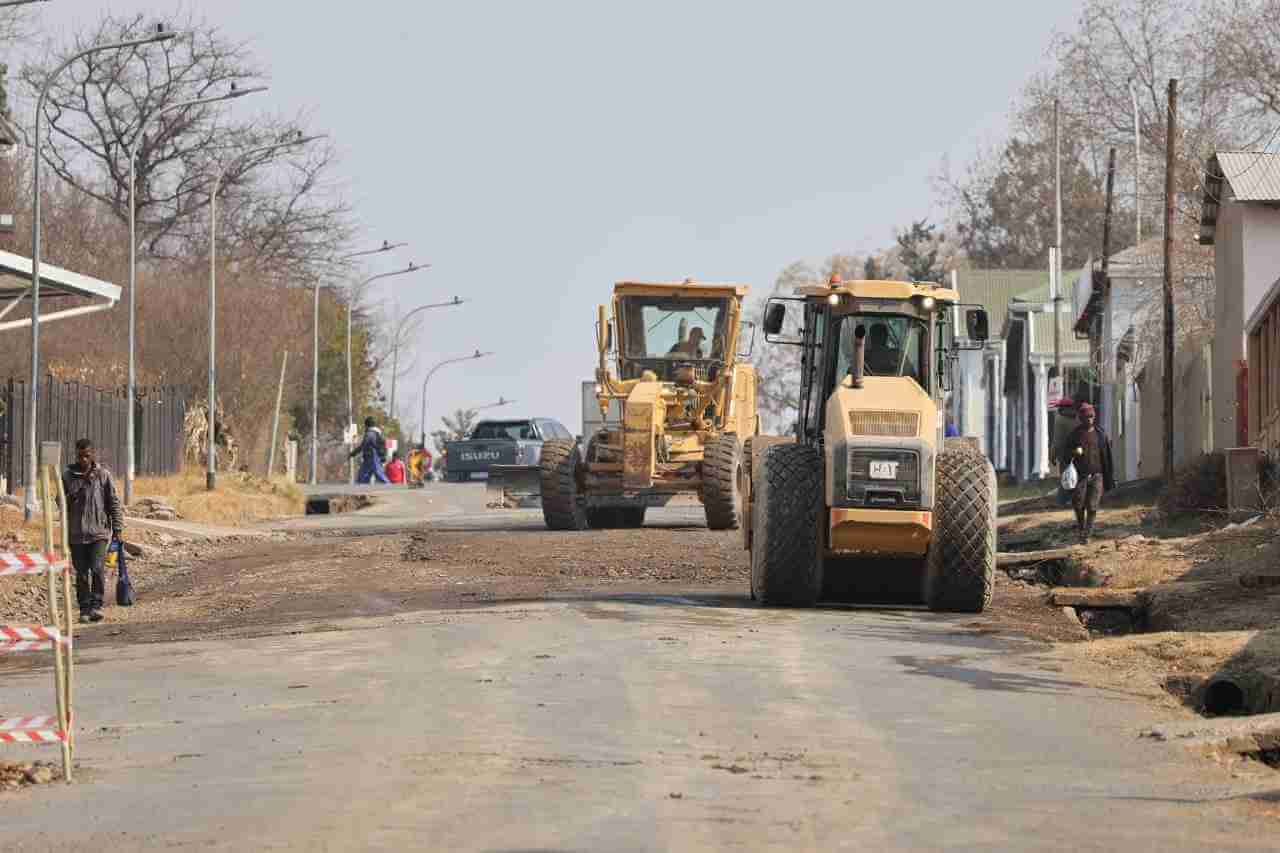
{"points": [[1169, 160], [1099, 326], [275, 423], [1055, 274], [1137, 168]]}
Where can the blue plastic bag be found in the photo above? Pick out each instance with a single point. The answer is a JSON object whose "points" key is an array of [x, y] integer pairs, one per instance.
{"points": [[124, 587]]}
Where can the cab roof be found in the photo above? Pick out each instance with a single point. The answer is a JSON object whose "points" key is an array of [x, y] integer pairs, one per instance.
{"points": [[864, 289], [670, 288]]}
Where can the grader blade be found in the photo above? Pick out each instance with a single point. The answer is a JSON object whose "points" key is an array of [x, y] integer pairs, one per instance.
{"points": [[515, 485]]}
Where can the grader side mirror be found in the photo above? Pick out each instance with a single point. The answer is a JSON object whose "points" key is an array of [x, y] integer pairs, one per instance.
{"points": [[608, 337], [975, 320], [774, 316]]}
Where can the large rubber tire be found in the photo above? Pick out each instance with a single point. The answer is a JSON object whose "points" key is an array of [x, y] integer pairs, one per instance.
{"points": [[632, 516], [603, 518], [960, 569], [721, 459], [744, 496], [562, 506], [786, 555]]}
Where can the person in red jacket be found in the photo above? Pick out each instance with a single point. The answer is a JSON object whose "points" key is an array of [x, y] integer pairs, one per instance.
{"points": [[395, 469]]}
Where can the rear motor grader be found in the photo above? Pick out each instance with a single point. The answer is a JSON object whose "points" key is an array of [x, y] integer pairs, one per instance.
{"points": [[686, 403], [869, 481]]}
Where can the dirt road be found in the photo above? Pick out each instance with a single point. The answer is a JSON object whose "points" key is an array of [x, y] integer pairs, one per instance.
{"points": [[489, 685]]}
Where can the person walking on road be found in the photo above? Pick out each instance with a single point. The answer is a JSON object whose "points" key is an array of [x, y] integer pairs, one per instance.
{"points": [[395, 469], [1089, 450], [94, 518], [371, 450]]}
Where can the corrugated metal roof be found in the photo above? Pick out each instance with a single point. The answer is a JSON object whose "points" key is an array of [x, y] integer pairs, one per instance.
{"points": [[1246, 176], [1253, 175], [992, 289], [1044, 335]]}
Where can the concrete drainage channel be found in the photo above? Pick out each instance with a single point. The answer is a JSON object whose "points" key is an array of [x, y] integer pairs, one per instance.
{"points": [[334, 504], [1077, 588]]}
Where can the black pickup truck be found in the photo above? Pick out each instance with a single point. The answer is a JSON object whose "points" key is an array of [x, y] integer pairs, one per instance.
{"points": [[513, 442]]}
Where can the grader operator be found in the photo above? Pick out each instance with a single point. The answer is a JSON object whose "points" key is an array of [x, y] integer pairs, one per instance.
{"points": [[869, 479], [687, 405]]}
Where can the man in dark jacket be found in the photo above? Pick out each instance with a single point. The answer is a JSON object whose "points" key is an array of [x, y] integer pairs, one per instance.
{"points": [[1089, 450], [372, 450], [94, 517]]}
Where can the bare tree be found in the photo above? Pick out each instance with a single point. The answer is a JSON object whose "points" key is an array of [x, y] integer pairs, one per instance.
{"points": [[98, 108]]}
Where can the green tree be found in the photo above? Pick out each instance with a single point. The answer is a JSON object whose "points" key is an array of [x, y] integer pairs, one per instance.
{"points": [[919, 249]]}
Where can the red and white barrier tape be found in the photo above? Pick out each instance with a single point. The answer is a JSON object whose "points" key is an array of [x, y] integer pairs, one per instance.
{"points": [[30, 564], [29, 638], [23, 724], [38, 736]]}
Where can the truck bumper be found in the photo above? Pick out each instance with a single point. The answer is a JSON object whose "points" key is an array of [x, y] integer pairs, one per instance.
{"points": [[880, 531], [523, 483]]}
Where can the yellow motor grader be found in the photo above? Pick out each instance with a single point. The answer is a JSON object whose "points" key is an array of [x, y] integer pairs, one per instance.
{"points": [[869, 481], [686, 405]]}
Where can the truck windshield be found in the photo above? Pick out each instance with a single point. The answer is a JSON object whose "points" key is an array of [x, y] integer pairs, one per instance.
{"points": [[514, 430], [895, 346], [673, 327]]}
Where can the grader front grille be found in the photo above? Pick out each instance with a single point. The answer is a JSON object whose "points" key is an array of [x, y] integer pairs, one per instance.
{"points": [[885, 424]]}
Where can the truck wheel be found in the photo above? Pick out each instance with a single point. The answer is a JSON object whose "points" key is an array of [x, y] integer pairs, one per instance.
{"points": [[786, 560], [562, 506], [632, 516], [720, 494], [744, 496], [602, 518], [960, 569]]}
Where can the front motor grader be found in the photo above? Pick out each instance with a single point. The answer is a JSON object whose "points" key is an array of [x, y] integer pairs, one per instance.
{"points": [[869, 483], [687, 404]]}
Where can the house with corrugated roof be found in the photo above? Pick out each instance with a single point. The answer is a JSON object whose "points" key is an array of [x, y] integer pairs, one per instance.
{"points": [[1123, 313], [1002, 389], [1240, 218], [1029, 348], [979, 404]]}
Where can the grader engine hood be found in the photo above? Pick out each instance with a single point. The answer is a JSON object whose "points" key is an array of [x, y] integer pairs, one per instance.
{"points": [[881, 442], [648, 412]]}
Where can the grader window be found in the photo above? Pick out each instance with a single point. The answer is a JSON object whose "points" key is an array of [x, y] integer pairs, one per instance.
{"points": [[659, 330], [895, 346]]}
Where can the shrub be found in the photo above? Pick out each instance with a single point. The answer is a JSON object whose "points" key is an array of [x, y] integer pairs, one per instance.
{"points": [[1196, 488]]}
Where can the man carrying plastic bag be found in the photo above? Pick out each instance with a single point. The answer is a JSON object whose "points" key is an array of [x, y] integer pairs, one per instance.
{"points": [[1089, 453]]}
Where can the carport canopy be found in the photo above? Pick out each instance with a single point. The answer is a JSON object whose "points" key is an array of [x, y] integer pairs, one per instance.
{"points": [[56, 285]]}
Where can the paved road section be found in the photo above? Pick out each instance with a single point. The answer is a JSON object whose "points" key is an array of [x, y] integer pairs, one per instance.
{"points": [[615, 721], [624, 724]]}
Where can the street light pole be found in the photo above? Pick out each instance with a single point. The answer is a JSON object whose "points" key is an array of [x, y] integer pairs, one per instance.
{"points": [[351, 415], [33, 392], [315, 383], [432, 372], [395, 343], [133, 264], [213, 283]]}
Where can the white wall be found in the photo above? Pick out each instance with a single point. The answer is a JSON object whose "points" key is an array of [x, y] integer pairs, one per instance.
{"points": [[1246, 262]]}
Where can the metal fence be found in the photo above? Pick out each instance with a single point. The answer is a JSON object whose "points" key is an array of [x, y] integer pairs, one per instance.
{"points": [[69, 411]]}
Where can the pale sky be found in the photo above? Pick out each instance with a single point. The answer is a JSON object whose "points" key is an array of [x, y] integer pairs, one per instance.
{"points": [[534, 153]]}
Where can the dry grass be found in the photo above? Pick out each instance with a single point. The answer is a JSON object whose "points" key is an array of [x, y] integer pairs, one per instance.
{"points": [[239, 499]]}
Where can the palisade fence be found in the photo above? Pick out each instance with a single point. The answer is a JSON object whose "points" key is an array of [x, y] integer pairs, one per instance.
{"points": [[69, 411]]}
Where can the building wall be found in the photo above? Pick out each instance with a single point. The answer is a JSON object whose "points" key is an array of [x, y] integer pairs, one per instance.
{"points": [[1246, 263], [1192, 423]]}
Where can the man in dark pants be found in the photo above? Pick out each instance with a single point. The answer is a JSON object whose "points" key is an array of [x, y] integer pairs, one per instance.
{"points": [[371, 450], [1089, 449], [94, 517]]}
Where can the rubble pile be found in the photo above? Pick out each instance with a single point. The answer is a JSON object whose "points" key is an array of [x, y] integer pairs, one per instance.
{"points": [[155, 509], [28, 773]]}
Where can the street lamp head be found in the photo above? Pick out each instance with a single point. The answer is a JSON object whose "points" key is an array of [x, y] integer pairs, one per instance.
{"points": [[237, 92], [165, 35]]}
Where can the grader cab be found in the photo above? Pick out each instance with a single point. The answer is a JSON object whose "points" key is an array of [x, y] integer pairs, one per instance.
{"points": [[687, 405], [869, 480]]}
